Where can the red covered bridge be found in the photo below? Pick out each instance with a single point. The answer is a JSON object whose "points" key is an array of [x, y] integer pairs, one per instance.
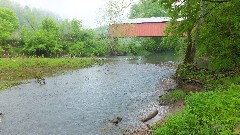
{"points": [[140, 27]]}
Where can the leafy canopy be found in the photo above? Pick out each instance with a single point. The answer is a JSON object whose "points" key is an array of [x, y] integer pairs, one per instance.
{"points": [[146, 9], [210, 28], [8, 24]]}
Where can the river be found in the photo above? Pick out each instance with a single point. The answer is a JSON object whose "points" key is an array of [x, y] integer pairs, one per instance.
{"points": [[81, 102]]}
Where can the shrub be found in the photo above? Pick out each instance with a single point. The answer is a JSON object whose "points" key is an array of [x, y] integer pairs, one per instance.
{"points": [[213, 112], [77, 49]]}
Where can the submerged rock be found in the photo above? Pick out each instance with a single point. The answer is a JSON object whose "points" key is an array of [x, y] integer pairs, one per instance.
{"points": [[116, 120]]}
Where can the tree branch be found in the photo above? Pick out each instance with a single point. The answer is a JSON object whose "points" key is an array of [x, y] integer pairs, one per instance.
{"points": [[217, 1]]}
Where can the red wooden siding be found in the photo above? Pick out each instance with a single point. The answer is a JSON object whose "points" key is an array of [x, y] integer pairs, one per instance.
{"points": [[137, 30]]}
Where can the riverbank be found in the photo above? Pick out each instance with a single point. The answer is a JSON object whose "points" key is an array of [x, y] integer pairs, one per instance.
{"points": [[14, 70], [212, 103]]}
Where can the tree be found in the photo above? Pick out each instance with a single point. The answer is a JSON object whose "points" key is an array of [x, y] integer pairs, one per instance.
{"points": [[146, 9], [115, 13], [29, 17], [189, 12], [43, 42], [220, 34], [75, 29], [210, 26], [8, 24]]}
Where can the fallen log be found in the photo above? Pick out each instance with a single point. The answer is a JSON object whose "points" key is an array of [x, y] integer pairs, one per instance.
{"points": [[150, 116]]}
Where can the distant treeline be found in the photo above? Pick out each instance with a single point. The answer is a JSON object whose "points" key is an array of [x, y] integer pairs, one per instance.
{"points": [[30, 31]]}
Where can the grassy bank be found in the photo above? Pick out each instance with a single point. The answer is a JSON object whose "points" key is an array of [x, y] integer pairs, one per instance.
{"points": [[212, 103], [14, 70]]}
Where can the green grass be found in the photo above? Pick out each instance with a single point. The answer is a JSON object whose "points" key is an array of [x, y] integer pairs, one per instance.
{"points": [[14, 70], [172, 97]]}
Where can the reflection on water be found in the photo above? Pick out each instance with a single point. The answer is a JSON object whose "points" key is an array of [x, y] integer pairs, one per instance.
{"points": [[83, 101]]}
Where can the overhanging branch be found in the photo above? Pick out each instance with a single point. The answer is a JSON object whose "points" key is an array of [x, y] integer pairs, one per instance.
{"points": [[217, 1]]}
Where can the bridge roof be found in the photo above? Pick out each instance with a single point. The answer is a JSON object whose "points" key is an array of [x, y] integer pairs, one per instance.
{"points": [[145, 20]]}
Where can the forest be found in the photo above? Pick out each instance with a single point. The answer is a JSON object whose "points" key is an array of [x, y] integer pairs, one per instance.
{"points": [[33, 32]]}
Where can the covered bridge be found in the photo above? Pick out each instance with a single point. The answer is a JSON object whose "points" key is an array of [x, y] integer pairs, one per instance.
{"points": [[140, 27]]}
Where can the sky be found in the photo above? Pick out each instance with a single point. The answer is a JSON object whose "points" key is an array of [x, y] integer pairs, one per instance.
{"points": [[89, 12]]}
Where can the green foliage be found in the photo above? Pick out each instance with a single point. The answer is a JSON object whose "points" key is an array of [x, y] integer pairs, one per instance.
{"points": [[177, 43], [222, 47], [146, 9], [8, 24], [42, 43], [211, 29], [100, 47], [75, 30], [49, 36], [49, 25], [28, 17], [186, 20], [129, 48], [172, 97], [206, 113], [1, 50], [155, 45], [77, 49]]}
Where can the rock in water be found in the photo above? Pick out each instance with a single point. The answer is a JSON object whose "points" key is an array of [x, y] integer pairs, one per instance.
{"points": [[112, 122], [116, 120], [150, 116]]}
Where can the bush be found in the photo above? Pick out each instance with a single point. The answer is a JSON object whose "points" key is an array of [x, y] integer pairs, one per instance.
{"points": [[100, 48], [77, 49], [152, 44], [213, 112], [156, 45]]}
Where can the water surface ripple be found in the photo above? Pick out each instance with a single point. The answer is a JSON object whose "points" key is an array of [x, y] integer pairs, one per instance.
{"points": [[82, 102]]}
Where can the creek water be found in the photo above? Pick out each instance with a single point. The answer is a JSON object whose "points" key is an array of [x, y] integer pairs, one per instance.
{"points": [[81, 102]]}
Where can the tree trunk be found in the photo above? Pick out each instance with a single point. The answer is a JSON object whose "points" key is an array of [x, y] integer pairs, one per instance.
{"points": [[190, 52], [191, 48]]}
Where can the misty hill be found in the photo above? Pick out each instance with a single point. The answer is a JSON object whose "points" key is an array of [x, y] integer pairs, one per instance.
{"points": [[29, 17]]}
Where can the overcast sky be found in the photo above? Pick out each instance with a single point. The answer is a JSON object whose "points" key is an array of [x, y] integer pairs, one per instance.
{"points": [[88, 11]]}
